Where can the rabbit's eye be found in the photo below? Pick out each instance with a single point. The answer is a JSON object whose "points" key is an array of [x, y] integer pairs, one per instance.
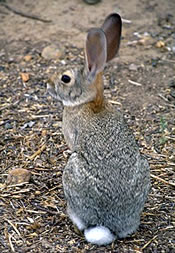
{"points": [[68, 78], [65, 78]]}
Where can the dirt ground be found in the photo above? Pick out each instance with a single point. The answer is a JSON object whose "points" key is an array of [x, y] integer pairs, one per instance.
{"points": [[141, 80]]}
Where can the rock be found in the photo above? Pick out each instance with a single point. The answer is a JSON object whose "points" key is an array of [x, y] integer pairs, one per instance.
{"points": [[57, 124], [173, 49], [160, 44], [11, 60], [154, 62], [133, 67], [28, 124], [18, 176], [8, 126], [52, 52], [2, 68]]}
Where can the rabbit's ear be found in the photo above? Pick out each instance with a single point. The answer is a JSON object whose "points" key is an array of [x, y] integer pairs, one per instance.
{"points": [[112, 28], [95, 52]]}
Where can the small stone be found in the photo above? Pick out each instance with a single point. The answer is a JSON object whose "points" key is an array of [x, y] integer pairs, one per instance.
{"points": [[57, 124], [154, 62], [37, 192], [63, 62], [133, 67], [2, 68], [8, 126], [18, 176], [160, 44], [28, 124], [173, 49], [52, 52], [11, 60]]}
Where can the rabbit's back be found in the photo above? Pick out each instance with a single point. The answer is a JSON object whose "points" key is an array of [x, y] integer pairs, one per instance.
{"points": [[106, 180]]}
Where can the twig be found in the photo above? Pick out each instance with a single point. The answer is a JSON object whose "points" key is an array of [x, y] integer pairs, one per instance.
{"points": [[150, 241], [11, 105], [16, 230], [114, 102], [38, 152], [167, 60], [126, 21], [164, 98], [38, 212], [16, 185], [18, 12], [39, 116], [135, 83], [162, 180], [14, 193], [10, 242]]}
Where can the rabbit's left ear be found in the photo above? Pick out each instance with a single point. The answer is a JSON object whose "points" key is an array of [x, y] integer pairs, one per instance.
{"points": [[95, 52], [112, 28]]}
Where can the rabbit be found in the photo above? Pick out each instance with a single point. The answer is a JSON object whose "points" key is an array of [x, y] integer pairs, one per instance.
{"points": [[106, 180]]}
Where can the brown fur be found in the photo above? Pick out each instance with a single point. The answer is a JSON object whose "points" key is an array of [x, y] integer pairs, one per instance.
{"points": [[98, 103]]}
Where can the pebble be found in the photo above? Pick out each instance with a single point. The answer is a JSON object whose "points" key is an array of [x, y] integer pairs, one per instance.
{"points": [[57, 124], [11, 60], [28, 124], [154, 62], [8, 126], [160, 44], [133, 67], [173, 49], [2, 68], [18, 176], [52, 52]]}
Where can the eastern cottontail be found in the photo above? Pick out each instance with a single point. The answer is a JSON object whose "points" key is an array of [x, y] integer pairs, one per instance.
{"points": [[106, 180]]}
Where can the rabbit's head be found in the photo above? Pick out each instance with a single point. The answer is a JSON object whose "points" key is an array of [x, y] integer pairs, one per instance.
{"points": [[85, 84]]}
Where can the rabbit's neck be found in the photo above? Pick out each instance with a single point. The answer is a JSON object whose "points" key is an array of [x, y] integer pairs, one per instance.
{"points": [[98, 103]]}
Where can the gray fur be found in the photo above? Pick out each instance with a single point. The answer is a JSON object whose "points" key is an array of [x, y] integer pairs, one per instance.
{"points": [[106, 180]]}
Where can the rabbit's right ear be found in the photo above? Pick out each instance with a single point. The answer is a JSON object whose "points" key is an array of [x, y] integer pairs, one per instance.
{"points": [[112, 28], [95, 52]]}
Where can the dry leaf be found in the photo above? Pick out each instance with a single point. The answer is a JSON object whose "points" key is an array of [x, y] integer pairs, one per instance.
{"points": [[25, 77], [27, 57], [2, 186], [34, 226]]}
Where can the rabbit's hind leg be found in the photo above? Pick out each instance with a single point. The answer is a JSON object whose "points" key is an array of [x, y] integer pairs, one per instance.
{"points": [[75, 219], [129, 227]]}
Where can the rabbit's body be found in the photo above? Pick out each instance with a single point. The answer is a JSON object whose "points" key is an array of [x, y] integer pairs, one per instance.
{"points": [[99, 156], [106, 180]]}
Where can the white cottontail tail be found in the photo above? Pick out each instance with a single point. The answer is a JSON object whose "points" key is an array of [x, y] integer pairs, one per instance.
{"points": [[106, 180]]}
